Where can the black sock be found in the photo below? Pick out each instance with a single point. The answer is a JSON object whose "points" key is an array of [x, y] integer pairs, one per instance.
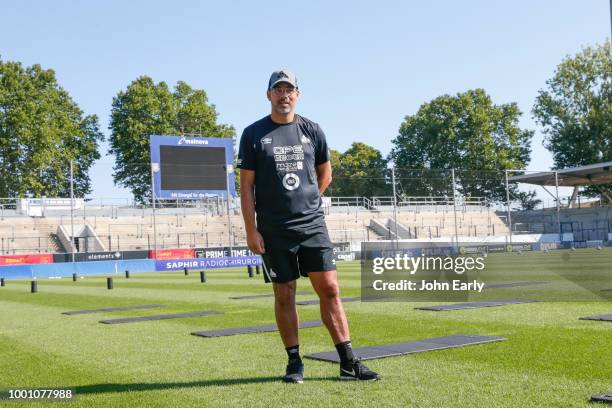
{"points": [[345, 351], [293, 352]]}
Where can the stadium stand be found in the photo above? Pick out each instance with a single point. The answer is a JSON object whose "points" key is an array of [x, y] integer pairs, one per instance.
{"points": [[586, 224], [99, 228], [125, 227]]}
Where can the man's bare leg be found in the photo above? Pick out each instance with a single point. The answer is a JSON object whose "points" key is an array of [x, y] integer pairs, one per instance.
{"points": [[286, 313], [332, 311], [287, 321]]}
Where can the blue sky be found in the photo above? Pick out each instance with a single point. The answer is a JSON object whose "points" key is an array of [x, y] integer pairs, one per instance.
{"points": [[362, 66]]}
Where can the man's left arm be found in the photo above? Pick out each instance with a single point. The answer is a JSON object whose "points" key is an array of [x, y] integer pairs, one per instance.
{"points": [[324, 176], [322, 162]]}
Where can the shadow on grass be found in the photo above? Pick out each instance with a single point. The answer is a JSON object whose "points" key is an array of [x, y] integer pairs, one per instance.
{"points": [[108, 388]]}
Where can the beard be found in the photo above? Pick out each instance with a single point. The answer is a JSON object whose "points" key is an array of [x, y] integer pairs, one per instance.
{"points": [[283, 109]]}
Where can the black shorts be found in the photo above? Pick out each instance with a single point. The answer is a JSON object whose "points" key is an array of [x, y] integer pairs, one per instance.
{"points": [[298, 254]]}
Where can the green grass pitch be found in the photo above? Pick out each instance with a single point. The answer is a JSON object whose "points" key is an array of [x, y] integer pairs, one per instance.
{"points": [[551, 358]]}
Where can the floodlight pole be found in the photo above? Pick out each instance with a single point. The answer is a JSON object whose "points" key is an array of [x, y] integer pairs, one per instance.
{"points": [[558, 207], [72, 210], [455, 208], [154, 221], [229, 218], [394, 201], [508, 208]]}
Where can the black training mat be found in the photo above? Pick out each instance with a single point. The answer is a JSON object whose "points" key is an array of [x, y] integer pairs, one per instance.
{"points": [[265, 296], [603, 317], [602, 397], [398, 349], [512, 284], [252, 329], [111, 309], [316, 302], [160, 317], [475, 305]]}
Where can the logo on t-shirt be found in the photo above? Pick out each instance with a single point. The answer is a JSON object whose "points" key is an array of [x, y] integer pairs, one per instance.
{"points": [[304, 139], [265, 141], [291, 181]]}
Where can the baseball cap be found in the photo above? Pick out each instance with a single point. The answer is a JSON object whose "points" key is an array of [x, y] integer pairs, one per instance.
{"points": [[283, 75]]}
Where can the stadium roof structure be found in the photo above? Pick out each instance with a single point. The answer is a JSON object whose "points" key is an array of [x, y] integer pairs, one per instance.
{"points": [[592, 174]]}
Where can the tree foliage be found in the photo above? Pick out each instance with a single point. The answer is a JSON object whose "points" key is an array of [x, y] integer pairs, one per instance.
{"points": [[465, 132], [527, 200], [41, 130], [575, 110], [360, 171], [147, 108]]}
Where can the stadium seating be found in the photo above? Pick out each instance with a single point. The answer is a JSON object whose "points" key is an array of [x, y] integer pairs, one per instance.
{"points": [[128, 228], [132, 228]]}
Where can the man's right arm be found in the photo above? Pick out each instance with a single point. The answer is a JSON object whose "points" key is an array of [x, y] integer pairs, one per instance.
{"points": [[247, 203]]}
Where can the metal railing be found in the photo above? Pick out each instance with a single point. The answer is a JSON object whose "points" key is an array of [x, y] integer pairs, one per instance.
{"points": [[198, 222]]}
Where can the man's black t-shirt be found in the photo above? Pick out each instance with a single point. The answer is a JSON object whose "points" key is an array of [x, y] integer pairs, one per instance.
{"points": [[284, 157]]}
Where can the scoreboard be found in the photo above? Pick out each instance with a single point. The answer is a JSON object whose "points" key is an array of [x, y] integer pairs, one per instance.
{"points": [[186, 167]]}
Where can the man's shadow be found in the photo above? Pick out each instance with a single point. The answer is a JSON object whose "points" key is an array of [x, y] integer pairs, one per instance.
{"points": [[113, 387]]}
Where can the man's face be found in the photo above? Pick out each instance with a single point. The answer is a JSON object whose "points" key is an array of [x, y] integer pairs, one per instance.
{"points": [[283, 98]]}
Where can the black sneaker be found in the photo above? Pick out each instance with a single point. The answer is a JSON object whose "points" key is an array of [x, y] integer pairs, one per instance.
{"points": [[357, 371], [295, 372]]}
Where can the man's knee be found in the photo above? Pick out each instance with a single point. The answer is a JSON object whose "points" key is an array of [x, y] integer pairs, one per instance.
{"points": [[284, 293], [329, 290]]}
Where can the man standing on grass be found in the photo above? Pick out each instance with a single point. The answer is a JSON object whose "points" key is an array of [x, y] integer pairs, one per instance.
{"points": [[284, 162]]}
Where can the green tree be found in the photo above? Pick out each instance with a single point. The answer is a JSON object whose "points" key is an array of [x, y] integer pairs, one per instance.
{"points": [[360, 171], [575, 110], [527, 200], [146, 108], [41, 130], [334, 157], [466, 132]]}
